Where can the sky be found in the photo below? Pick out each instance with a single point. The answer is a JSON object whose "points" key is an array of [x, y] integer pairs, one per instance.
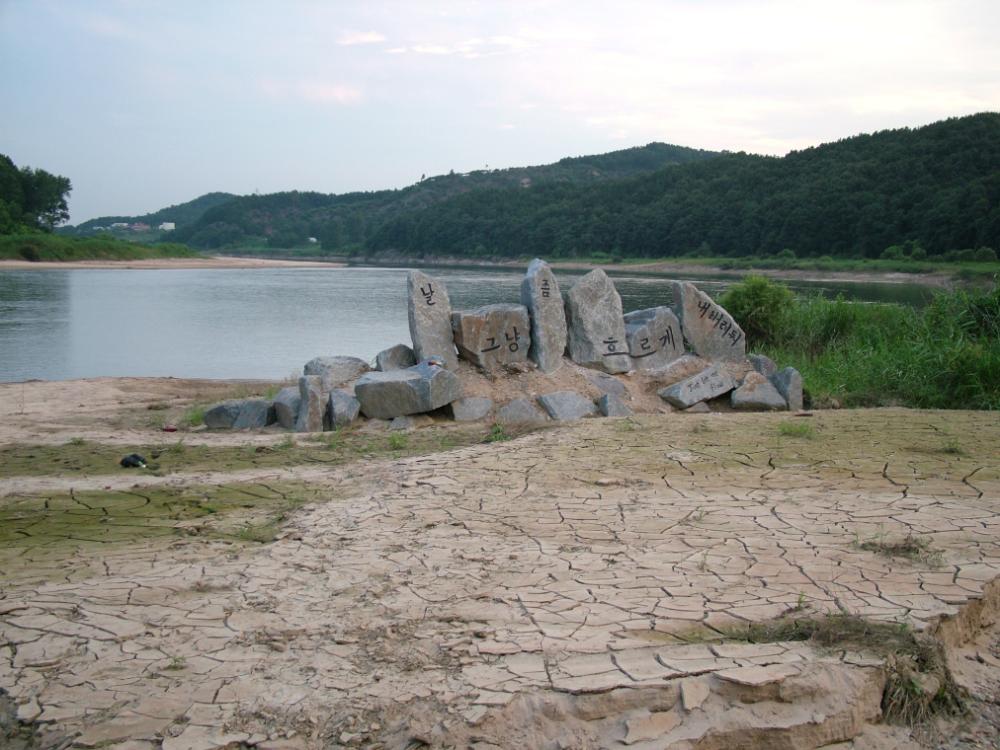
{"points": [[148, 103]]}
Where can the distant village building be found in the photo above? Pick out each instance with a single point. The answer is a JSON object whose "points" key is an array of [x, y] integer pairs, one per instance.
{"points": [[312, 240], [140, 227], [167, 226], [120, 225]]}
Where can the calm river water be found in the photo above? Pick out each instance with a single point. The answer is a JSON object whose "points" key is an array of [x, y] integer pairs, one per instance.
{"points": [[254, 323]]}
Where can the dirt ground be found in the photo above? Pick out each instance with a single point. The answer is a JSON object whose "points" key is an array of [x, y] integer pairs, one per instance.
{"points": [[580, 586]]}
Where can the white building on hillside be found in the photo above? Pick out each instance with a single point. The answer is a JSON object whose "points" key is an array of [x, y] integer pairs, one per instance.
{"points": [[167, 226]]}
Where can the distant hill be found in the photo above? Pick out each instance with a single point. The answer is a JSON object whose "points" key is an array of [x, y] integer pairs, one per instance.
{"points": [[181, 214], [934, 189], [350, 220]]}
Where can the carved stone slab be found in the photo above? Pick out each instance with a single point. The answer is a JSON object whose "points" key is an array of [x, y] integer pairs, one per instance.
{"points": [[654, 337], [540, 294], [708, 328], [595, 324], [429, 311], [493, 335], [701, 387]]}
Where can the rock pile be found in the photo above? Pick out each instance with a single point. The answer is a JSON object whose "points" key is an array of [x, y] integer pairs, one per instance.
{"points": [[690, 355]]}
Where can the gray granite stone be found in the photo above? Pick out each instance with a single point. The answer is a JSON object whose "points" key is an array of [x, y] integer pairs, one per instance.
{"points": [[567, 406], [418, 389], [312, 404], [757, 394], [700, 408], [611, 406], [763, 364], [342, 408], [540, 295], [706, 385], [471, 409], [596, 327], [654, 337], [223, 415], [410, 422], [789, 385], [709, 329], [397, 357], [335, 371], [521, 411], [286, 407], [255, 413], [492, 336], [606, 383], [429, 313]]}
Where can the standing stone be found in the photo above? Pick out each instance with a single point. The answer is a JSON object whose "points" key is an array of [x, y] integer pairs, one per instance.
{"points": [[596, 328], [397, 357], [341, 409], [312, 404], [763, 364], [540, 294], [654, 337], [492, 336], [471, 408], [567, 406], [708, 328], [286, 407], [254, 413], [423, 388], [757, 394], [611, 406], [703, 386], [429, 311], [335, 371], [789, 385]]}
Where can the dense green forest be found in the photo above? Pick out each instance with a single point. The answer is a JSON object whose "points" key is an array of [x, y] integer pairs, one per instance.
{"points": [[31, 199], [350, 221]]}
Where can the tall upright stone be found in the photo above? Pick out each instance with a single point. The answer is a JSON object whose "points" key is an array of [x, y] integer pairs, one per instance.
{"points": [[595, 325], [312, 404], [429, 311], [654, 337], [540, 294], [708, 328], [493, 335]]}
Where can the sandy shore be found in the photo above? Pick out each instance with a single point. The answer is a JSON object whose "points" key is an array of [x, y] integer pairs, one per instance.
{"points": [[215, 261]]}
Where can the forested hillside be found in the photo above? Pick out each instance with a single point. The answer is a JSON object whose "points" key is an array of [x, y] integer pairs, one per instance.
{"points": [[935, 188], [351, 220], [182, 214]]}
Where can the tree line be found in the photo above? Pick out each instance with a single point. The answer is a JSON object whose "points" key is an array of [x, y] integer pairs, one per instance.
{"points": [[31, 200]]}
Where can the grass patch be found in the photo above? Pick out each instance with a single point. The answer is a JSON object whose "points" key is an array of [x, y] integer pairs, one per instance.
{"points": [[918, 682], [911, 547], [194, 416], [797, 430], [53, 247], [497, 434], [398, 441]]}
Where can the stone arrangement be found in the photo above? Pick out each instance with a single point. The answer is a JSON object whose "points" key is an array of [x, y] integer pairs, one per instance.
{"points": [[691, 355]]}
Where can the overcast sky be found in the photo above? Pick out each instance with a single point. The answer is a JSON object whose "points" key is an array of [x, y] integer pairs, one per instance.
{"points": [[144, 103]]}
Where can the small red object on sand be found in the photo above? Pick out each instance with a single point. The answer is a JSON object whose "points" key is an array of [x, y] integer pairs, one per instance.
{"points": [[169, 428]]}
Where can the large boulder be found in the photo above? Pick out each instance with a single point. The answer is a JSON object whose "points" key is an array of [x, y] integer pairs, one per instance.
{"points": [[341, 409], [566, 406], [596, 327], [706, 385], [429, 312], [540, 294], [286, 407], [708, 328], [521, 411], [471, 408], [756, 393], [493, 335], [223, 415], [254, 414], [312, 405], [397, 357], [418, 389], [654, 337], [335, 371], [789, 385]]}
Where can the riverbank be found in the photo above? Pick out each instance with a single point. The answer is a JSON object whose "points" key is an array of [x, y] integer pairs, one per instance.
{"points": [[213, 261]]}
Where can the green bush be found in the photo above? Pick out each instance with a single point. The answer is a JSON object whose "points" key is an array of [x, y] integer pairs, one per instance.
{"points": [[761, 307], [985, 255]]}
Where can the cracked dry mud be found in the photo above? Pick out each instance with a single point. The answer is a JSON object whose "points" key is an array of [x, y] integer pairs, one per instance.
{"points": [[561, 590]]}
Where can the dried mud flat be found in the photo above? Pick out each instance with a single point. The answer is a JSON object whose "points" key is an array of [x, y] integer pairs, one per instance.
{"points": [[577, 587]]}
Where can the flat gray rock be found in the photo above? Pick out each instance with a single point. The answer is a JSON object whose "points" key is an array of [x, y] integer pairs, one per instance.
{"points": [[611, 406], [223, 415], [757, 394], [763, 364], [312, 405], [335, 371], [708, 328], [540, 295], [342, 409], [706, 385], [521, 411], [654, 337], [493, 335], [567, 406], [471, 409], [429, 312], [411, 422], [255, 413], [700, 408], [286, 407], [606, 383], [397, 357], [789, 385], [595, 325], [418, 389], [680, 369]]}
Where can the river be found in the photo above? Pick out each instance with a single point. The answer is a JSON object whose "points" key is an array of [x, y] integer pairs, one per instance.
{"points": [[258, 323]]}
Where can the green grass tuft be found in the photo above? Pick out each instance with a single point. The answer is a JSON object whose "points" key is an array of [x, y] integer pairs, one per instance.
{"points": [[797, 430]]}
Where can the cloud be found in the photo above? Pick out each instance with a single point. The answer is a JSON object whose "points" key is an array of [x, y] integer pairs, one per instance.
{"points": [[350, 38]]}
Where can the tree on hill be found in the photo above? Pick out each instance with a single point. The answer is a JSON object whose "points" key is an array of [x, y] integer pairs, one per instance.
{"points": [[31, 199]]}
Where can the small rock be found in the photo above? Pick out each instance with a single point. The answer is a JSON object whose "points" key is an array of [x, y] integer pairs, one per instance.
{"points": [[411, 422], [706, 385], [708, 328], [757, 394], [493, 335], [342, 408], [312, 405], [596, 326], [763, 364], [397, 357], [789, 385], [286, 407], [567, 406], [429, 313], [700, 408], [335, 371], [541, 296], [415, 390], [521, 411], [654, 337], [611, 405], [471, 409], [680, 369], [221, 416], [607, 383]]}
